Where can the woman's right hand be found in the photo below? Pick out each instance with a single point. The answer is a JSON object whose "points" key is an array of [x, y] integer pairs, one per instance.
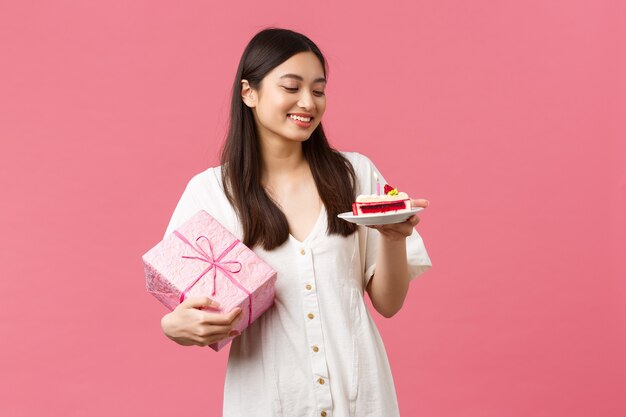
{"points": [[190, 325]]}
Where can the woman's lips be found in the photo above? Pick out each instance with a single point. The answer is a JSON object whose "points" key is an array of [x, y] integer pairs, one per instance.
{"points": [[301, 120]]}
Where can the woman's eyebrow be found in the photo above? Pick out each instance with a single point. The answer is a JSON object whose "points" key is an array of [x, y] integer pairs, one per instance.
{"points": [[297, 77]]}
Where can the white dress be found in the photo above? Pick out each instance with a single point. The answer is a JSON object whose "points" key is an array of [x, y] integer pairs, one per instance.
{"points": [[317, 351]]}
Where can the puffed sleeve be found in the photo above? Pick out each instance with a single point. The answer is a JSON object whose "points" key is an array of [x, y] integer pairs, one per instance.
{"points": [[418, 259], [187, 206]]}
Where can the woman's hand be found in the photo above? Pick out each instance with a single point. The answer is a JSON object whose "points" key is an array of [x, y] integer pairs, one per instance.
{"points": [[400, 231], [190, 325]]}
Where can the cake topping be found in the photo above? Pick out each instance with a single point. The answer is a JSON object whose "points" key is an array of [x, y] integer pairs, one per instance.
{"points": [[389, 190]]}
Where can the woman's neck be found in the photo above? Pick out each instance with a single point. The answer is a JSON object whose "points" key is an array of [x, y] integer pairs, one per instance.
{"points": [[281, 159]]}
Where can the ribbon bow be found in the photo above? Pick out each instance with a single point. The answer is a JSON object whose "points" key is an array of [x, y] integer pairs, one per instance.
{"points": [[226, 267]]}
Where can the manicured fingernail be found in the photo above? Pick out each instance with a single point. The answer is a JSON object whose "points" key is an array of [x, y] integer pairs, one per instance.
{"points": [[233, 333]]}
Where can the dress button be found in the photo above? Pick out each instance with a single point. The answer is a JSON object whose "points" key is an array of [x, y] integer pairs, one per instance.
{"points": [[323, 414], [308, 287], [321, 381], [315, 348], [310, 315], [302, 252]]}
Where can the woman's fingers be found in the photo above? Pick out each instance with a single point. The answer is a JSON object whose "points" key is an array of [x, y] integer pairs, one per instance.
{"points": [[214, 327], [222, 319], [208, 331], [405, 228], [216, 337], [190, 324], [419, 202], [199, 303], [414, 220]]}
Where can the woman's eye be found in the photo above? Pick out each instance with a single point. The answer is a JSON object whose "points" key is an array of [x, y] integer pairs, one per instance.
{"points": [[295, 89]]}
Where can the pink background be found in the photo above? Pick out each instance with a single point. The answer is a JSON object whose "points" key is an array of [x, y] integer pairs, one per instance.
{"points": [[508, 116]]}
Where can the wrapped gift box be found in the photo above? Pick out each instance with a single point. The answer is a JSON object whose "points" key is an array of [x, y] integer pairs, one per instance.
{"points": [[203, 259]]}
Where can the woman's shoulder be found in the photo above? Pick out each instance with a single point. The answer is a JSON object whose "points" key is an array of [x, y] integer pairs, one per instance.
{"points": [[204, 191], [209, 180], [207, 190], [361, 163]]}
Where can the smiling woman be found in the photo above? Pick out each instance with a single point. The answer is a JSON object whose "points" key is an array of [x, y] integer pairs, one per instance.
{"points": [[286, 104], [280, 188], [277, 107]]}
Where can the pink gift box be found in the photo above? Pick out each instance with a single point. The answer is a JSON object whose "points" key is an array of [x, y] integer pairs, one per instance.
{"points": [[203, 259]]}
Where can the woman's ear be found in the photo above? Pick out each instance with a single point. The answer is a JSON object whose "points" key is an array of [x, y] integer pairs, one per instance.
{"points": [[248, 95]]}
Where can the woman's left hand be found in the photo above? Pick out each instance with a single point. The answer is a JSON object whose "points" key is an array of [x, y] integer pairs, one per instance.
{"points": [[400, 231]]}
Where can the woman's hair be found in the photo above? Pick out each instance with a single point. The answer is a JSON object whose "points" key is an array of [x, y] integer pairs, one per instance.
{"points": [[263, 222]]}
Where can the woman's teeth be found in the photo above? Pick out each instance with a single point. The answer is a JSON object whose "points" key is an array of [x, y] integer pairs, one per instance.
{"points": [[300, 118]]}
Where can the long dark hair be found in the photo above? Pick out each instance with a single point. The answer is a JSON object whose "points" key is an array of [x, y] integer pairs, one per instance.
{"points": [[263, 222]]}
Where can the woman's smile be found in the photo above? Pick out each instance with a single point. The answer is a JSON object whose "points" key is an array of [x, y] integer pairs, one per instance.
{"points": [[301, 119]]}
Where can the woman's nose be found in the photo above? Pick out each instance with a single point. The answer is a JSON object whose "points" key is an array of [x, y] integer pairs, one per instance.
{"points": [[305, 100]]}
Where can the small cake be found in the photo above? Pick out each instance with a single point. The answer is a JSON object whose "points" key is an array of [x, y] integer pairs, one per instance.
{"points": [[390, 201]]}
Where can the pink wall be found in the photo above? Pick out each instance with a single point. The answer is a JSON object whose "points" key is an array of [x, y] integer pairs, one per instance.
{"points": [[508, 116]]}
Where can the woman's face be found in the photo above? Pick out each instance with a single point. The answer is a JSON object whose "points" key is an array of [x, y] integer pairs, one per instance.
{"points": [[290, 101]]}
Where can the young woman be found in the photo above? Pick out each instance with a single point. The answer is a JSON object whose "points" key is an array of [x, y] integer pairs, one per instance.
{"points": [[279, 188]]}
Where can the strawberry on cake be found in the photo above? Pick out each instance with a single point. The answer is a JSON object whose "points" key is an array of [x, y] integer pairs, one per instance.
{"points": [[391, 201]]}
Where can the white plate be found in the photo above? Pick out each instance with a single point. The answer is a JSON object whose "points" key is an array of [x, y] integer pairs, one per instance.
{"points": [[377, 219]]}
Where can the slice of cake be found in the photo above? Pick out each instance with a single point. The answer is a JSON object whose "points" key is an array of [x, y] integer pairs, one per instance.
{"points": [[390, 201]]}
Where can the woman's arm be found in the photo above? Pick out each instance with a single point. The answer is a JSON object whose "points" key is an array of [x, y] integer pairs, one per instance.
{"points": [[390, 283]]}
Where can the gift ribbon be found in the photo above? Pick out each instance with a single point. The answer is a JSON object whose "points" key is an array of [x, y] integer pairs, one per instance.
{"points": [[214, 264]]}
